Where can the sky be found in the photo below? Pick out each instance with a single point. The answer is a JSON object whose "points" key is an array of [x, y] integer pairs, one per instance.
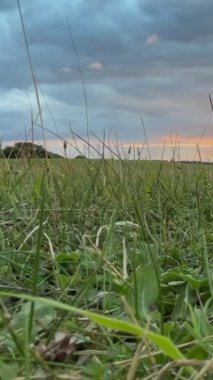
{"points": [[146, 67]]}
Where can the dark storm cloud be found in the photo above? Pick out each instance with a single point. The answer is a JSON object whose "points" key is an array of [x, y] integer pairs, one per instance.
{"points": [[184, 20], [6, 5], [137, 57]]}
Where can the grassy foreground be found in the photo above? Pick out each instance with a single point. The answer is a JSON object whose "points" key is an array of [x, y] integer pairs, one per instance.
{"points": [[106, 270]]}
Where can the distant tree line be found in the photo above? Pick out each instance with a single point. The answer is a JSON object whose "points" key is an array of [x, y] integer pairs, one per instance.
{"points": [[26, 150]]}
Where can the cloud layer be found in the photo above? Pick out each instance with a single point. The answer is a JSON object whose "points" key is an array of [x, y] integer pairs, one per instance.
{"points": [[138, 57]]}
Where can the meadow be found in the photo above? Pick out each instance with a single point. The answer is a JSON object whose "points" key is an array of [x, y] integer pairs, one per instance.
{"points": [[106, 269]]}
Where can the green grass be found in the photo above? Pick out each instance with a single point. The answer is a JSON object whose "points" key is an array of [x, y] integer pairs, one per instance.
{"points": [[106, 270]]}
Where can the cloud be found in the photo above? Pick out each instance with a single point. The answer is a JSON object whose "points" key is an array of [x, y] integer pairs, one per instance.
{"points": [[184, 21], [123, 77], [66, 70], [152, 39], [95, 65]]}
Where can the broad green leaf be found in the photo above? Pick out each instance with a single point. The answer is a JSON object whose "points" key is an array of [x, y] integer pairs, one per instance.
{"points": [[44, 314], [195, 283], [163, 343], [198, 353], [144, 291], [64, 258], [8, 371]]}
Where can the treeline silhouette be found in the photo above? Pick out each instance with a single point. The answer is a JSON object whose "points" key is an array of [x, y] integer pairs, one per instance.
{"points": [[26, 150]]}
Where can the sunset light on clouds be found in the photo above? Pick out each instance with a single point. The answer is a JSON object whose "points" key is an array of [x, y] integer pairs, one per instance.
{"points": [[96, 65], [137, 58], [152, 39]]}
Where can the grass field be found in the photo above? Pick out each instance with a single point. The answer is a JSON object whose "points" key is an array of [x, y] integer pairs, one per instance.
{"points": [[106, 270]]}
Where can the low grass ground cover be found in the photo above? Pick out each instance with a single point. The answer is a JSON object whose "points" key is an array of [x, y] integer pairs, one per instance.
{"points": [[106, 269]]}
